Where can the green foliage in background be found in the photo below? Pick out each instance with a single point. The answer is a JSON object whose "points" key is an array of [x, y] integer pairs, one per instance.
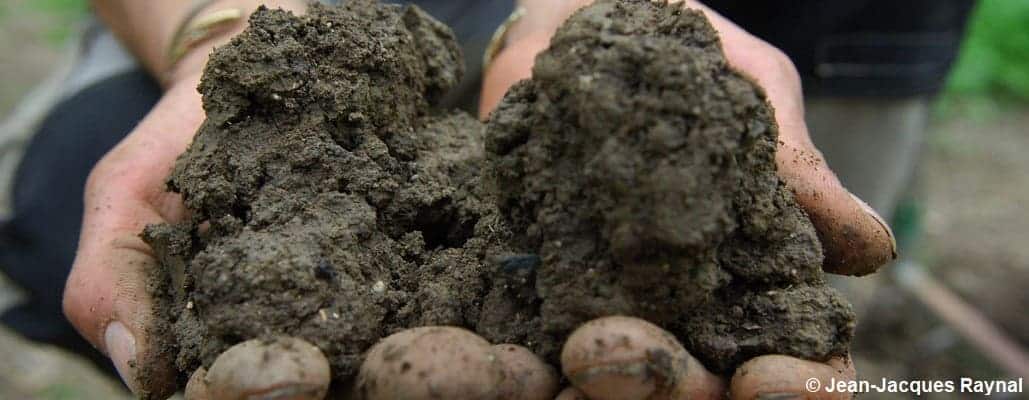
{"points": [[60, 392], [66, 13], [63, 16], [72, 8], [995, 57]]}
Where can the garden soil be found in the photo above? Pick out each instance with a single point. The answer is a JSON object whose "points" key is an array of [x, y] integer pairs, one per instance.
{"points": [[334, 200]]}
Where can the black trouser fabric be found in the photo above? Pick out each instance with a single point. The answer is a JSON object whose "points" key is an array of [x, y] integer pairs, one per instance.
{"points": [[860, 48]]}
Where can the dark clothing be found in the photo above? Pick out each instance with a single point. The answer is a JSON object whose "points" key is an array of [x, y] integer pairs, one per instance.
{"points": [[860, 47], [37, 246], [841, 48], [871, 47]]}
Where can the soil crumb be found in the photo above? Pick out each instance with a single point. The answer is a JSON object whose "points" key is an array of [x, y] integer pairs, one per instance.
{"points": [[333, 199]]}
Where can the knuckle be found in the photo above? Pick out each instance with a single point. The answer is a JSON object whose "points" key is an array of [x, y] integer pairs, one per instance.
{"points": [[96, 176], [125, 178], [76, 302], [101, 177], [782, 64]]}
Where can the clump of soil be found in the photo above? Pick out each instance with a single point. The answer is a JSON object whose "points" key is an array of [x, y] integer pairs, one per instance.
{"points": [[331, 201], [335, 202], [641, 167]]}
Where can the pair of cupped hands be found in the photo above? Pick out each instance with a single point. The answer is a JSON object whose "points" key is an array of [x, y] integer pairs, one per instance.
{"points": [[107, 300]]}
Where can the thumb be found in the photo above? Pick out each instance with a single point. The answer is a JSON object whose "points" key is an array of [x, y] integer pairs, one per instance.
{"points": [[855, 239], [106, 296]]}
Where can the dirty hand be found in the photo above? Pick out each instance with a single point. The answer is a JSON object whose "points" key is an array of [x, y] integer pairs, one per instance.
{"points": [[612, 358], [106, 294], [855, 240]]}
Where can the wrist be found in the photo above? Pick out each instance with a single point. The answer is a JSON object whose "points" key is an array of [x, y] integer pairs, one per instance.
{"points": [[512, 64], [510, 55], [511, 60], [191, 64], [542, 18]]}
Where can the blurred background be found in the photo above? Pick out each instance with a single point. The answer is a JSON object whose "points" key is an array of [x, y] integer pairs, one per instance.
{"points": [[964, 230]]}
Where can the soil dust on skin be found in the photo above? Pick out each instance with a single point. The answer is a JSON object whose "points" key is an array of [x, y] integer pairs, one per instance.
{"points": [[334, 201]]}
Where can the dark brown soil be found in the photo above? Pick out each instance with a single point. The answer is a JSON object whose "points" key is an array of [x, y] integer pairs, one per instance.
{"points": [[641, 168], [333, 201]]}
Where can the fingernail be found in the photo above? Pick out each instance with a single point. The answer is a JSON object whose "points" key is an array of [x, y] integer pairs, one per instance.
{"points": [[875, 215], [121, 348]]}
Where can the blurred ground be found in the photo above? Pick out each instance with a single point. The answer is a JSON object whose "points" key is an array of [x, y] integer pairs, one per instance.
{"points": [[31, 48], [976, 226], [974, 185], [30, 372], [28, 50]]}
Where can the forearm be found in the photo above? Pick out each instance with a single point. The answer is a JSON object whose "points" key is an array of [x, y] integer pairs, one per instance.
{"points": [[147, 29]]}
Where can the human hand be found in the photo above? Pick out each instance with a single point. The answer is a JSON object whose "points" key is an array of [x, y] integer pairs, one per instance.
{"points": [[612, 358], [855, 240], [106, 296]]}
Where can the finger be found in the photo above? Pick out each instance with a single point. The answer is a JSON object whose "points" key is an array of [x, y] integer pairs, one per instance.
{"points": [[526, 376], [782, 377], [106, 296], [282, 368], [855, 239], [624, 358], [430, 363], [571, 394]]}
